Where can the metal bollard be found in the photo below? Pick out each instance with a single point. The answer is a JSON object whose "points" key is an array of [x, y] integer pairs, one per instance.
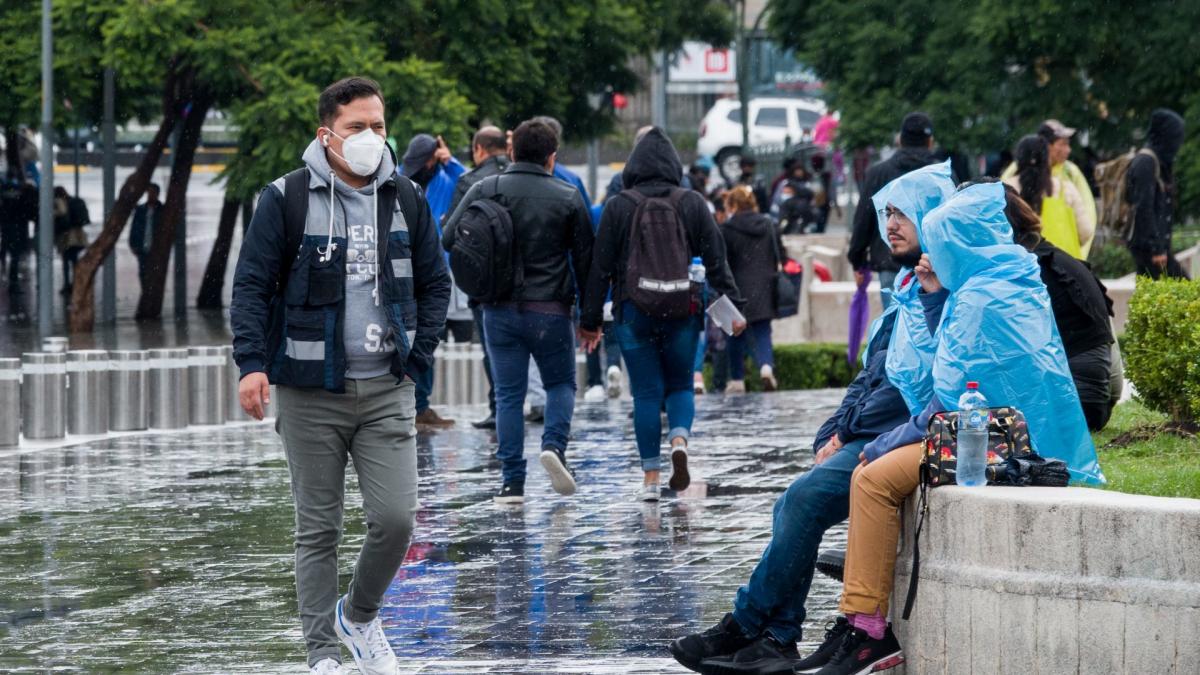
{"points": [[462, 378], [87, 392], [234, 412], [10, 403], [44, 395], [207, 368], [168, 388], [54, 345], [128, 385], [440, 372], [450, 353], [478, 377]]}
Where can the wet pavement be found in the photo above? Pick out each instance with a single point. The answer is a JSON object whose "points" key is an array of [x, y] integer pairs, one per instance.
{"points": [[172, 552]]}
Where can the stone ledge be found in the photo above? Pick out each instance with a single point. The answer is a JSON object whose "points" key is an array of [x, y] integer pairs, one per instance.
{"points": [[1052, 580]]}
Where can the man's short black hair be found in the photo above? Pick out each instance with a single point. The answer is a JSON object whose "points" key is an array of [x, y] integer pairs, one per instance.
{"points": [[342, 92], [534, 142], [491, 139], [155, 187]]}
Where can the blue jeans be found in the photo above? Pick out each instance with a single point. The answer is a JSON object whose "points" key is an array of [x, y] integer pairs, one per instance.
{"points": [[424, 382], [658, 356], [760, 332], [513, 336], [773, 600]]}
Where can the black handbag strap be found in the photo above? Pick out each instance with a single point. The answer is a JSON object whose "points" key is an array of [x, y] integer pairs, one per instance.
{"points": [[914, 578]]}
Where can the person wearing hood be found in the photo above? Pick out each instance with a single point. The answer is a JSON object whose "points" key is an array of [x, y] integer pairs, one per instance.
{"points": [[1151, 191], [753, 248], [658, 353], [339, 294], [759, 636], [553, 231], [429, 164], [996, 328], [867, 249]]}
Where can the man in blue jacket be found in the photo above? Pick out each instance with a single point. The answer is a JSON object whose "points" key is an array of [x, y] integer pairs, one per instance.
{"points": [[339, 295], [759, 636]]}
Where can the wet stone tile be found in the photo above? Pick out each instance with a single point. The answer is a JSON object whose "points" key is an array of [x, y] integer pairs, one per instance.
{"points": [[172, 552]]}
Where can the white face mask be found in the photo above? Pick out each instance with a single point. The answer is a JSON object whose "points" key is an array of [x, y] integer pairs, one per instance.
{"points": [[362, 151]]}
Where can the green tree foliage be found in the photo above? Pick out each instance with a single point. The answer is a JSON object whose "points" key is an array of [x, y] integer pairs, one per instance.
{"points": [[989, 72]]}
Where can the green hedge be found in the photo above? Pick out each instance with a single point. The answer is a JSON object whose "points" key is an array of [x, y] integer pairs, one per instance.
{"points": [[1162, 346], [802, 366]]}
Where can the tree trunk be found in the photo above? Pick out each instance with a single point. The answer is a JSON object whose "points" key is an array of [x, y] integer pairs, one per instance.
{"points": [[83, 313], [212, 287], [150, 304]]}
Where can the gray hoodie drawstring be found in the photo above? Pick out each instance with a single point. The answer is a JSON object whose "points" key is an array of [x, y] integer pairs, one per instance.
{"points": [[375, 228]]}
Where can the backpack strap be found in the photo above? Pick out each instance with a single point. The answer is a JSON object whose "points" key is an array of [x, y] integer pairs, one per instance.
{"points": [[1157, 171], [295, 214], [923, 510]]}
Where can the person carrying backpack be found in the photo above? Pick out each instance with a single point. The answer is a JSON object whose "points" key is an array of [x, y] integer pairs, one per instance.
{"points": [[648, 236], [339, 295], [520, 244]]}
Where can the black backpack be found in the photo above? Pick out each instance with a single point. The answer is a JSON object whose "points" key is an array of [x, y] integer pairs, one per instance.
{"points": [[656, 278], [485, 258]]}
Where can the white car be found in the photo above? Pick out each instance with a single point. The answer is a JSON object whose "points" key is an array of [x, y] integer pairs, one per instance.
{"points": [[775, 121]]}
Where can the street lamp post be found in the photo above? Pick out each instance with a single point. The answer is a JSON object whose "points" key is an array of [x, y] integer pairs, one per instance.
{"points": [[45, 228]]}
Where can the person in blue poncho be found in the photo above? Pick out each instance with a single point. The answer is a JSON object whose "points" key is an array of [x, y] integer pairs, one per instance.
{"points": [[997, 328], [759, 635]]}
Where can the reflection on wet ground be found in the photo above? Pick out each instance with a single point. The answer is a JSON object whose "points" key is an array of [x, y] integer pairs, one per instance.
{"points": [[170, 553]]}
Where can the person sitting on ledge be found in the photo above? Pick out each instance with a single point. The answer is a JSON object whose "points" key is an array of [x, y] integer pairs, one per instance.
{"points": [[759, 636], [995, 328]]}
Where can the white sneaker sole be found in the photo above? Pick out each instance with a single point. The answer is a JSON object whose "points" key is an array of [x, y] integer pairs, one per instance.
{"points": [[886, 663], [560, 479], [509, 500], [614, 384]]}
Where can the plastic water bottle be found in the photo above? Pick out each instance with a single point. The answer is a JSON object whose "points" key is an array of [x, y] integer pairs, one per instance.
{"points": [[696, 271], [972, 437]]}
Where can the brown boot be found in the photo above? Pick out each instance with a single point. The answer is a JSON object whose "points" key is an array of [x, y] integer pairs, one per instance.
{"points": [[428, 420]]}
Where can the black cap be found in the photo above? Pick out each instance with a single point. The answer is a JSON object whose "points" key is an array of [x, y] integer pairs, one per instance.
{"points": [[916, 129]]}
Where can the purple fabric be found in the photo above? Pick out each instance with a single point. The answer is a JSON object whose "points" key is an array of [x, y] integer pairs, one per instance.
{"points": [[860, 316]]}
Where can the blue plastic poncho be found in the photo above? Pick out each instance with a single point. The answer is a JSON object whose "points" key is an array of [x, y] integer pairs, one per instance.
{"points": [[998, 327], [911, 349]]}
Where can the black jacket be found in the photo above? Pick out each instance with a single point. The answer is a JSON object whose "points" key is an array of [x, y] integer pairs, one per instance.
{"points": [[867, 248], [1151, 188], [654, 170], [753, 260], [496, 164], [551, 223], [872, 406], [1080, 302]]}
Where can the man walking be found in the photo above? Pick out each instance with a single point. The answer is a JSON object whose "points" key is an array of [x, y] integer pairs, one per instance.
{"points": [[489, 151], [553, 233], [339, 295], [429, 164], [867, 248], [141, 233]]}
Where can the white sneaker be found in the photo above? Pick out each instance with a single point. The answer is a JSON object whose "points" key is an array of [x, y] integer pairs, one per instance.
{"points": [[649, 493], [367, 644], [767, 374], [327, 667], [594, 394], [613, 378], [698, 384], [735, 387]]}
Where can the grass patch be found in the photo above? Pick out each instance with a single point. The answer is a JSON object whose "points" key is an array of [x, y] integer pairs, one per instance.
{"points": [[1141, 454]]}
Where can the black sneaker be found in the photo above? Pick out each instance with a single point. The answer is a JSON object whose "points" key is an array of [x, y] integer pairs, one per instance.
{"points": [[832, 563], [764, 656], [562, 478], [488, 423], [537, 415], [833, 639], [723, 639], [859, 654], [511, 493]]}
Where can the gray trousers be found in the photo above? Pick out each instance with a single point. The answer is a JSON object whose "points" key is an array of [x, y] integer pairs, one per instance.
{"points": [[373, 424]]}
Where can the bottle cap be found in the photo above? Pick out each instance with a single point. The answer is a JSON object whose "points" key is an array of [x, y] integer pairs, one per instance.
{"points": [[972, 385], [697, 261]]}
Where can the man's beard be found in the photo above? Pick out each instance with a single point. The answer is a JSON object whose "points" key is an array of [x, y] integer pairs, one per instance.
{"points": [[909, 259], [424, 175]]}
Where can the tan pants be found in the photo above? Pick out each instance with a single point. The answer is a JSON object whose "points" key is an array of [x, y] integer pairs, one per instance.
{"points": [[876, 492]]}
